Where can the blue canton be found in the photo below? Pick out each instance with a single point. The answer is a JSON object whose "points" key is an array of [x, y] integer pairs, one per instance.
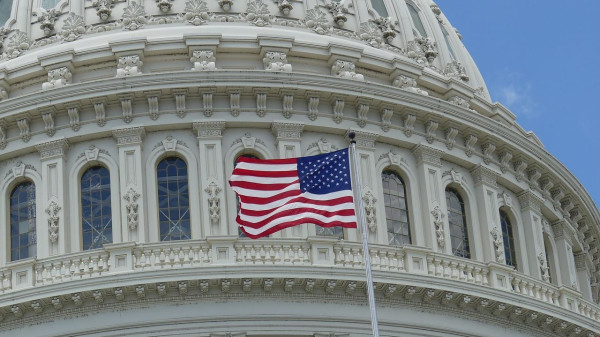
{"points": [[325, 173]]}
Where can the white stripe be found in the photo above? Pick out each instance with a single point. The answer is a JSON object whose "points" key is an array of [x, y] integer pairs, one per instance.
{"points": [[264, 194], [294, 205], [253, 231], [278, 203], [264, 180], [267, 167]]}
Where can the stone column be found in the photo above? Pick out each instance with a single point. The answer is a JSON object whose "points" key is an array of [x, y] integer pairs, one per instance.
{"points": [[583, 266], [566, 260], [490, 246], [212, 178], [435, 224], [54, 240], [287, 138], [532, 227], [131, 181], [365, 153]]}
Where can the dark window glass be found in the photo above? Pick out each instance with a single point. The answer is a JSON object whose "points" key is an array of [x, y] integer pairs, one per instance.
{"points": [[237, 200], [396, 211], [509, 240], [379, 6], [23, 237], [96, 216], [49, 4], [414, 14], [447, 39], [458, 224], [5, 9], [548, 261], [173, 199]]}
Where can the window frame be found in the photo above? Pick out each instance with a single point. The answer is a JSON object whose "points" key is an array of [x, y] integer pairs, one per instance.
{"points": [[410, 4], [189, 205], [514, 242], [11, 191], [466, 227], [406, 203], [114, 229]]}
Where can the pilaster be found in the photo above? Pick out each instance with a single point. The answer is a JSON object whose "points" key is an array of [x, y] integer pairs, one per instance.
{"points": [[583, 275], [52, 238], [287, 138], [212, 177], [129, 142], [435, 224], [490, 229], [564, 251], [532, 226]]}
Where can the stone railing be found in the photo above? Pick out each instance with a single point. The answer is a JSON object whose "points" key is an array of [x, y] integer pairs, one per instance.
{"points": [[316, 252]]}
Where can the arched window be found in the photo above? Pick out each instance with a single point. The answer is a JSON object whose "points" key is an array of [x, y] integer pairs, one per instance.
{"points": [[5, 10], [414, 14], [49, 4], [447, 39], [396, 211], [237, 199], [173, 199], [379, 7], [23, 237], [457, 220], [96, 216], [509, 240]]}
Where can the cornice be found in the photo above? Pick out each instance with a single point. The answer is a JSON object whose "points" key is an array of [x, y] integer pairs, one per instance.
{"points": [[52, 150]]}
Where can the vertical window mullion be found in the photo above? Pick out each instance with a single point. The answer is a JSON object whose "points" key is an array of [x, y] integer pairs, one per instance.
{"points": [[96, 226]]}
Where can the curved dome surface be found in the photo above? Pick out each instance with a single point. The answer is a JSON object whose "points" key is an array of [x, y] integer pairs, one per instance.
{"points": [[121, 121]]}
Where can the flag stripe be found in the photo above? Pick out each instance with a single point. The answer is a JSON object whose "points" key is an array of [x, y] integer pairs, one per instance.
{"points": [[294, 208], [258, 209], [270, 174], [262, 187], [348, 222]]}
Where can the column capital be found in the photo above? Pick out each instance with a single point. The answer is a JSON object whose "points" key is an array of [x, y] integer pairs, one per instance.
{"points": [[209, 129], [365, 140], [287, 130], [129, 136], [484, 175], [530, 202], [53, 149], [428, 155]]}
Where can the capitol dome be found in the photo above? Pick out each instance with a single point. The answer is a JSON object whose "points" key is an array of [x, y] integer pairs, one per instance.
{"points": [[121, 122]]}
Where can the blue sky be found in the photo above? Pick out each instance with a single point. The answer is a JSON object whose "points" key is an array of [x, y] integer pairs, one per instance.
{"points": [[540, 59]]}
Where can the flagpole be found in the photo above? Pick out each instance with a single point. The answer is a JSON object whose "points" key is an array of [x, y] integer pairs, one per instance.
{"points": [[365, 237]]}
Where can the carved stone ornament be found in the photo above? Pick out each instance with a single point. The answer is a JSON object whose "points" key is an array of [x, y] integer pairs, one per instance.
{"points": [[203, 60], [409, 84], [3, 93], [17, 44], [129, 66], [131, 206], [52, 211], [498, 244], [164, 5], [338, 11], [387, 27], [386, 119], [258, 13], [369, 206], [456, 70], [345, 69], [317, 21], [544, 269], [214, 202], [46, 18], [371, 33], [3, 34], [103, 8], [57, 78], [3, 141], [196, 12], [134, 16], [438, 221], [285, 6], [73, 27], [422, 50], [276, 61], [459, 101], [226, 4], [24, 132]]}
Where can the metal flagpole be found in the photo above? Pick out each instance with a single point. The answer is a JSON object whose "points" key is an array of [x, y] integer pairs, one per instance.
{"points": [[365, 237]]}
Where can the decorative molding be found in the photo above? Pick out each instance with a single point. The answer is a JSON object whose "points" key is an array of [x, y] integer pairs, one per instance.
{"points": [[203, 60], [73, 113], [451, 133], [484, 175], [196, 12], [287, 105], [57, 78], [505, 158], [544, 269], [207, 104], [48, 119], [370, 208], [371, 33], [470, 142], [428, 155], [408, 84], [520, 165], [338, 11], [257, 13], [488, 151], [52, 150], [131, 206], [409, 124], [392, 157], [498, 244], [313, 107], [438, 222], [388, 28], [209, 130], [459, 101], [129, 136], [287, 130], [430, 129], [345, 70], [276, 61], [52, 210], [17, 44], [323, 145], [214, 202], [234, 103], [506, 198], [127, 109], [134, 16], [164, 5], [103, 8], [529, 201], [153, 108], [362, 110], [364, 139], [100, 113], [456, 70], [317, 21], [24, 133], [129, 65], [261, 104], [180, 108]]}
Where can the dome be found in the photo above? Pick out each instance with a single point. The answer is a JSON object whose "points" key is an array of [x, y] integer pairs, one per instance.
{"points": [[121, 122]]}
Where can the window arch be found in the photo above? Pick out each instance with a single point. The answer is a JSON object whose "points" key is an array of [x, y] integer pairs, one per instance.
{"points": [[96, 211], [173, 199], [23, 238], [5, 11], [379, 7], [237, 199], [396, 210], [457, 221], [49, 4], [416, 18], [447, 39], [510, 255]]}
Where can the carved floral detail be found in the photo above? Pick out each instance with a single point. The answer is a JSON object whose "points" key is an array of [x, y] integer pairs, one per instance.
{"points": [[73, 27], [371, 33], [196, 12], [498, 244], [285, 7], [276, 61], [17, 44], [164, 5], [134, 16], [258, 13], [214, 202], [456, 70], [47, 18], [544, 269], [57, 78], [103, 8], [370, 201], [52, 211], [129, 65], [203, 60], [226, 4], [345, 69], [132, 208], [438, 221], [387, 27], [317, 20], [422, 50], [338, 11], [409, 84]]}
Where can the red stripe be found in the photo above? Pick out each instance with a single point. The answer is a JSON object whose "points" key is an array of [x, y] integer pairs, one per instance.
{"points": [[267, 174], [296, 211], [261, 201], [260, 187], [330, 202], [299, 222], [267, 161]]}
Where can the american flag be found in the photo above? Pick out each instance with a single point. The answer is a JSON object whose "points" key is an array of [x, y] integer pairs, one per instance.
{"points": [[279, 193]]}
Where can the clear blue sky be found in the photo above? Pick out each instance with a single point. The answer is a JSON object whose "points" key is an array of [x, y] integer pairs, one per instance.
{"points": [[541, 60]]}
